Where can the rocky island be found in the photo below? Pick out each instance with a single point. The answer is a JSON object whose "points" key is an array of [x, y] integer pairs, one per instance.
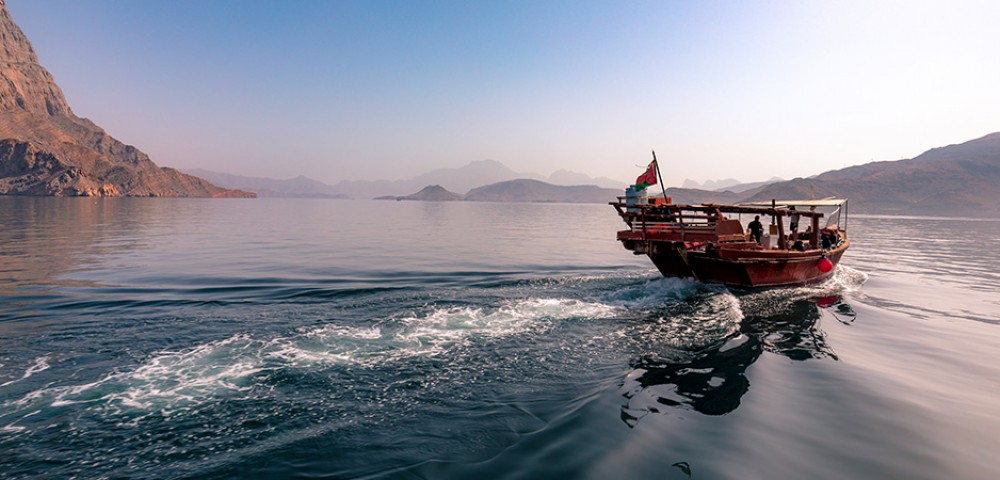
{"points": [[430, 193], [46, 150]]}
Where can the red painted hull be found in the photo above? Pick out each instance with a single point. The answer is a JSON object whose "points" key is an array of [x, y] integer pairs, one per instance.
{"points": [[741, 268], [748, 272]]}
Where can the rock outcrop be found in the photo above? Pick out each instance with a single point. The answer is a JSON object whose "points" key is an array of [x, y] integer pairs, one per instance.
{"points": [[47, 150]]}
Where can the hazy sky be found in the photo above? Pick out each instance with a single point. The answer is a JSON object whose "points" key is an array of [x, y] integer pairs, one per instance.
{"points": [[374, 89]]}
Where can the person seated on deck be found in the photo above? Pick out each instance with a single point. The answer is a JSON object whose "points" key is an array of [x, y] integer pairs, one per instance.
{"points": [[798, 245], [755, 229]]}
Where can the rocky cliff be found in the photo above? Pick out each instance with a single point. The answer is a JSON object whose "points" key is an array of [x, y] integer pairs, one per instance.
{"points": [[47, 150]]}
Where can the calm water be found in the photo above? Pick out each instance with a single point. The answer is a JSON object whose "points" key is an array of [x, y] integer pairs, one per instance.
{"points": [[182, 338]]}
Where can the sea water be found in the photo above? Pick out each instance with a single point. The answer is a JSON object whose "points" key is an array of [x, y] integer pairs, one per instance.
{"points": [[272, 338]]}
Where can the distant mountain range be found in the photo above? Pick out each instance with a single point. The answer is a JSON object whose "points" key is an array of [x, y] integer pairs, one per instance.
{"points": [[298, 187], [461, 179], [958, 179], [566, 177], [479, 179], [729, 185], [485, 180], [527, 190], [518, 190], [710, 184]]}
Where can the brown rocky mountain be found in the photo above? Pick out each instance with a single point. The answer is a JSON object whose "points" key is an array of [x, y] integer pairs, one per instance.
{"points": [[958, 179], [47, 150]]}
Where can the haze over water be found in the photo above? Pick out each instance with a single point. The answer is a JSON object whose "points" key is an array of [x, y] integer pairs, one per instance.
{"points": [[271, 338]]}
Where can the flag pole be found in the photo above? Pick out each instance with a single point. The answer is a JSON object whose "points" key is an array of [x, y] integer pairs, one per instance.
{"points": [[657, 166]]}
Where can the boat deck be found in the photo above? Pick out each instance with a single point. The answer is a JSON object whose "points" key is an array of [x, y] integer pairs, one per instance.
{"points": [[706, 243]]}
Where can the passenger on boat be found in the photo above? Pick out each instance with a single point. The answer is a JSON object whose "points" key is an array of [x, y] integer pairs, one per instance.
{"points": [[793, 221], [828, 238], [715, 215], [755, 229]]}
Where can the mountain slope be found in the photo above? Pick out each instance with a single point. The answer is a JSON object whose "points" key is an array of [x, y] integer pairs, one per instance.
{"points": [[958, 179], [47, 150]]}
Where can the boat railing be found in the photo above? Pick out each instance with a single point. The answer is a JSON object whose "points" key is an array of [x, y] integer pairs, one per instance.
{"points": [[685, 222], [652, 218]]}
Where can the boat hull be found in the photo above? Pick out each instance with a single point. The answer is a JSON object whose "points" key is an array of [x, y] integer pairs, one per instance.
{"points": [[768, 269]]}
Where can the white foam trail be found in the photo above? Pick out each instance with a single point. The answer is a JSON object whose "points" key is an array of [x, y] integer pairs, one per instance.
{"points": [[41, 364], [654, 292], [328, 345], [168, 381], [439, 330], [849, 279], [707, 321], [172, 382], [175, 379], [446, 328]]}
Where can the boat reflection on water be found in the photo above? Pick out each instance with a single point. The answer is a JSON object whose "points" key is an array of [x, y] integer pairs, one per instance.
{"points": [[791, 331], [836, 306], [712, 380]]}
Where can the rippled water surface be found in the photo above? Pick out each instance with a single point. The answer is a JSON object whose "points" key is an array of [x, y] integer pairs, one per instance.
{"points": [[184, 338]]}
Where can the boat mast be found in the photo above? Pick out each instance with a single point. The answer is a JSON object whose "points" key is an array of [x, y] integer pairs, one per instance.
{"points": [[656, 165]]}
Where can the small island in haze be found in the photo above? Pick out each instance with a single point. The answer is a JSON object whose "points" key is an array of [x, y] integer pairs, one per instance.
{"points": [[430, 193]]}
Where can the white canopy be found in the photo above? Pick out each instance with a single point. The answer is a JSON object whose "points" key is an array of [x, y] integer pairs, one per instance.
{"points": [[825, 202]]}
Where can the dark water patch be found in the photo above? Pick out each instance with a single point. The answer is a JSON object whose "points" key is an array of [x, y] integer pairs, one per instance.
{"points": [[793, 332], [105, 306], [327, 294], [710, 381]]}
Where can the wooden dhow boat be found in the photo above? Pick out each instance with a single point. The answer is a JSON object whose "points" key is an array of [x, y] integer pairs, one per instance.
{"points": [[710, 243]]}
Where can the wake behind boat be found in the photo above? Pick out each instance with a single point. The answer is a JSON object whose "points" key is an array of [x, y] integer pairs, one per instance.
{"points": [[709, 243]]}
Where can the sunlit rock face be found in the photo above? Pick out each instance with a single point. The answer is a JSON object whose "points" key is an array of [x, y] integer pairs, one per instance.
{"points": [[47, 150]]}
